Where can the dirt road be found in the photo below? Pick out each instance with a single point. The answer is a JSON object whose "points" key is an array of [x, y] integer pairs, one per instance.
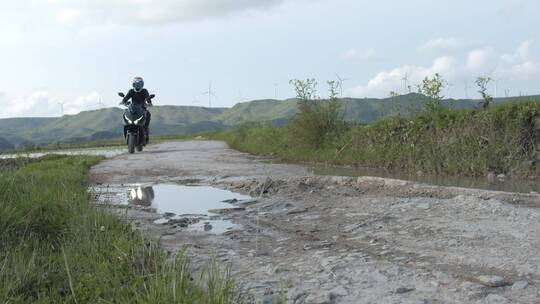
{"points": [[343, 240]]}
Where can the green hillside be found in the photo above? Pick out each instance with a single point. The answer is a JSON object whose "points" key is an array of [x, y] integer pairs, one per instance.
{"points": [[17, 124], [104, 124], [266, 110], [178, 120]]}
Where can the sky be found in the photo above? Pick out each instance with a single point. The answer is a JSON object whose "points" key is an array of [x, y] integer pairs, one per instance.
{"points": [[81, 53]]}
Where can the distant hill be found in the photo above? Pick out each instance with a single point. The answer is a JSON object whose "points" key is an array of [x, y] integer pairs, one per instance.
{"points": [[6, 144], [266, 110], [104, 124], [364, 110], [172, 120]]}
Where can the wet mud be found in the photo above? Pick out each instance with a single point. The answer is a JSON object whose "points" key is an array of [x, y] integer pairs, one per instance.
{"points": [[331, 239]]}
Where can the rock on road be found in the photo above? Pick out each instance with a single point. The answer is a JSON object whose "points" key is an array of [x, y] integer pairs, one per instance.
{"points": [[327, 239]]}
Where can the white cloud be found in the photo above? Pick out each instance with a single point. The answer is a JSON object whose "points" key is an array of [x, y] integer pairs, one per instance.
{"points": [[359, 55], [447, 46], [519, 65], [479, 62], [42, 104], [394, 80], [83, 103], [152, 11], [38, 103], [68, 16]]}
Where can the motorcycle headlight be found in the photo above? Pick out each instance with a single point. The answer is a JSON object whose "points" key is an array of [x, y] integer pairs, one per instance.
{"points": [[127, 119], [138, 120]]}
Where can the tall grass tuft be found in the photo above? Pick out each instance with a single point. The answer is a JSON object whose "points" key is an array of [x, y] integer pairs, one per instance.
{"points": [[58, 248], [503, 138], [318, 121]]}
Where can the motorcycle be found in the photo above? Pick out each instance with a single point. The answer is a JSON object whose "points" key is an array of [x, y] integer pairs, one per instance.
{"points": [[134, 120]]}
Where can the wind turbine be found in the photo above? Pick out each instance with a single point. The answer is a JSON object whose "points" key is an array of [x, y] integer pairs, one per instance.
{"points": [[496, 86], [61, 107], [100, 102], [276, 90], [507, 92], [406, 82], [195, 100], [241, 97], [340, 83], [210, 93], [449, 87], [466, 86]]}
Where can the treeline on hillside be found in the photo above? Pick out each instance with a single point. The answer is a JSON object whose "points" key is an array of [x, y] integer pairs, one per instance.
{"points": [[436, 139]]}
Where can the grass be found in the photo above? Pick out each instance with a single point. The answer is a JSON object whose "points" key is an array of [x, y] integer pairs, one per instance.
{"points": [[470, 142], [67, 146], [58, 248]]}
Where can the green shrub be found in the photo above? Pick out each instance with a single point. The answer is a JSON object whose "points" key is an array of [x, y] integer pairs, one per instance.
{"points": [[318, 121]]}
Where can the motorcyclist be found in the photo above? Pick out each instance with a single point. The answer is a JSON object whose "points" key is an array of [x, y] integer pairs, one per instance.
{"points": [[140, 96]]}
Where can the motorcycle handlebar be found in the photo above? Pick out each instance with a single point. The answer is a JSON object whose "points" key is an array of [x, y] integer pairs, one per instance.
{"points": [[148, 104]]}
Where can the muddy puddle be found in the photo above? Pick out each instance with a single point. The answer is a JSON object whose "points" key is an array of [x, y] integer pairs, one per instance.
{"points": [[193, 208], [105, 152], [501, 183]]}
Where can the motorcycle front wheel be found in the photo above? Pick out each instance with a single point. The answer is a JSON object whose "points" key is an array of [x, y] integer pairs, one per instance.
{"points": [[131, 143]]}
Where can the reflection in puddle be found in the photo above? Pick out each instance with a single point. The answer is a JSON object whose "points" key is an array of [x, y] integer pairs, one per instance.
{"points": [[141, 196], [186, 206]]}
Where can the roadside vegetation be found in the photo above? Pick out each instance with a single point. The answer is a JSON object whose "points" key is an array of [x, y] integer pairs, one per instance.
{"points": [[435, 139], [58, 248]]}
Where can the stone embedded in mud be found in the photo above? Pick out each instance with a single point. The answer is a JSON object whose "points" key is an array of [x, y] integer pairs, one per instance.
{"points": [[492, 281], [338, 291], [161, 221], [496, 299], [318, 245], [353, 227], [297, 295], [424, 206], [226, 210], [297, 211], [247, 202], [403, 290], [520, 285], [184, 221], [230, 201]]}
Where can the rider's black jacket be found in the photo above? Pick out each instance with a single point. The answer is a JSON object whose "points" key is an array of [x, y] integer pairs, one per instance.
{"points": [[138, 97]]}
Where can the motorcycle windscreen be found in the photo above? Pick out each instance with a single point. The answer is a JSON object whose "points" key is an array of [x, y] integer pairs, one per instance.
{"points": [[134, 112]]}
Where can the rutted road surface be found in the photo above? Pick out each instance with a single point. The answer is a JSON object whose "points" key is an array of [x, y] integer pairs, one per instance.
{"points": [[339, 239]]}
